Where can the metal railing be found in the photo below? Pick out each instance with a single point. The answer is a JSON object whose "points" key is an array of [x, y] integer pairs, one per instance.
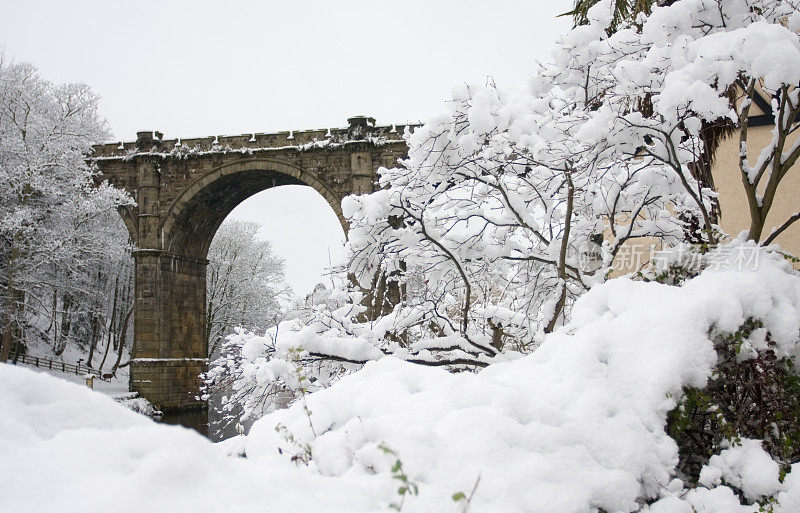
{"points": [[46, 363]]}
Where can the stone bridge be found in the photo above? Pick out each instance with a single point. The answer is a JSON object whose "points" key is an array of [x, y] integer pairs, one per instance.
{"points": [[184, 189]]}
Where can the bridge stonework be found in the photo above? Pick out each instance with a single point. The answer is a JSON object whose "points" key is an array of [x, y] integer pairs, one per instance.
{"points": [[184, 189]]}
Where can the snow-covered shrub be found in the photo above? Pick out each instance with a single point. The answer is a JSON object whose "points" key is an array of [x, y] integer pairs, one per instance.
{"points": [[753, 394], [139, 405], [259, 373], [584, 423], [514, 202]]}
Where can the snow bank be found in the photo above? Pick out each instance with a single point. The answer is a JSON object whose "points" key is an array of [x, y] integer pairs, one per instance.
{"points": [[578, 425], [65, 448], [575, 427], [745, 466]]}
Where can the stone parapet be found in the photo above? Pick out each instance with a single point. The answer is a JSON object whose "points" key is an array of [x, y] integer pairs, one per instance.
{"points": [[360, 128]]}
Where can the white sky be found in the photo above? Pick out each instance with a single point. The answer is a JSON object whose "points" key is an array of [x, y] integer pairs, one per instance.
{"points": [[199, 68]]}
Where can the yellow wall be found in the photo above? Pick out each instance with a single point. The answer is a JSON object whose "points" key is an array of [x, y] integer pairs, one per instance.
{"points": [[728, 183], [733, 203]]}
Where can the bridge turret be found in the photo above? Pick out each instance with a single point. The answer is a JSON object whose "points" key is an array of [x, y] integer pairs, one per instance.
{"points": [[147, 139], [144, 139], [359, 126], [362, 121]]}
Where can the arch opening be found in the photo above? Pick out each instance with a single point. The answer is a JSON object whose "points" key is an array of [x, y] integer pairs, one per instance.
{"points": [[291, 224], [194, 217], [301, 227]]}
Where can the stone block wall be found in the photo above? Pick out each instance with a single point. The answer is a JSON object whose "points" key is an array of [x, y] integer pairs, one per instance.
{"points": [[171, 385], [170, 347]]}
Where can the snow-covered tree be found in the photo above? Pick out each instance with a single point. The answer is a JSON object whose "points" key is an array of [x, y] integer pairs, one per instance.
{"points": [[507, 208], [51, 199], [90, 300], [245, 282], [514, 202], [695, 65], [623, 11], [255, 373]]}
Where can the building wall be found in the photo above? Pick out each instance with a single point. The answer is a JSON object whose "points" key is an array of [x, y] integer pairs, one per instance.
{"points": [[728, 183], [735, 213]]}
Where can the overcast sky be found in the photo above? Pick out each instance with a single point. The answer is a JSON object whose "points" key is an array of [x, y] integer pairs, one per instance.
{"points": [[201, 68]]}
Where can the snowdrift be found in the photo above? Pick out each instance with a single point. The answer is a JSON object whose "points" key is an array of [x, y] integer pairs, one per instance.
{"points": [[65, 448], [577, 425]]}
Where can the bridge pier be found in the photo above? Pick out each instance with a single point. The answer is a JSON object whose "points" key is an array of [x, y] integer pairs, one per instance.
{"points": [[170, 349]]}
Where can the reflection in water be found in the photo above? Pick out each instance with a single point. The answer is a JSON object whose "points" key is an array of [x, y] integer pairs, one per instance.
{"points": [[197, 420], [208, 423]]}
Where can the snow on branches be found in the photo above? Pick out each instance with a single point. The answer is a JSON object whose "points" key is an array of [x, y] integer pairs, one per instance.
{"points": [[514, 202], [586, 422], [58, 225]]}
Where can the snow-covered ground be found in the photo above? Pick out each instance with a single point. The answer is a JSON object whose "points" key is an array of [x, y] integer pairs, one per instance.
{"points": [[115, 387], [65, 448], [73, 354], [577, 426]]}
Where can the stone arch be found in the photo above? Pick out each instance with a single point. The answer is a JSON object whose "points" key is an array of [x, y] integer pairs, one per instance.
{"points": [[130, 221], [181, 200], [193, 218]]}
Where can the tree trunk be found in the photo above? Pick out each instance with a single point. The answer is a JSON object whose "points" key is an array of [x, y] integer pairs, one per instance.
{"points": [[8, 333], [121, 345], [11, 308], [95, 322], [112, 324], [12, 334], [562, 258], [66, 325]]}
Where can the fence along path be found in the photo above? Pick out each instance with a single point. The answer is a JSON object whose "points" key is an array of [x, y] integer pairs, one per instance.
{"points": [[46, 363]]}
